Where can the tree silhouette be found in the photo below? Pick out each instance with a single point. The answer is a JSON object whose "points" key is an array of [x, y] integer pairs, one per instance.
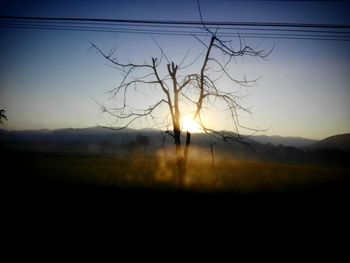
{"points": [[2, 116], [184, 87]]}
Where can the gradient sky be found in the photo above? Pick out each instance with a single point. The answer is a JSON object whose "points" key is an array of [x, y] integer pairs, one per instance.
{"points": [[47, 77]]}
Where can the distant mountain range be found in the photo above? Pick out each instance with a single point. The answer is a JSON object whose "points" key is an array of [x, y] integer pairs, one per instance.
{"points": [[298, 142], [99, 140], [94, 133]]}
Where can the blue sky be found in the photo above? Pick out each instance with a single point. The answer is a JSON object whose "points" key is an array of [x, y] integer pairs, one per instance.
{"points": [[47, 77]]}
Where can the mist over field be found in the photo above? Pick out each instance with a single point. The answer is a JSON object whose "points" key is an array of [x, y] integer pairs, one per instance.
{"points": [[146, 158]]}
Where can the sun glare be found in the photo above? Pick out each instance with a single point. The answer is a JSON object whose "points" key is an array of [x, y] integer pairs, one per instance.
{"points": [[188, 124]]}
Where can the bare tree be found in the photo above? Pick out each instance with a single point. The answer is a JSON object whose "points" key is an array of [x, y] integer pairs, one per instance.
{"points": [[2, 116], [198, 89]]}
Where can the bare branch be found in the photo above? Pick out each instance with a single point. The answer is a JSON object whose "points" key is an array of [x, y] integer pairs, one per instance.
{"points": [[115, 62], [132, 116], [201, 81], [246, 83], [200, 40], [161, 49]]}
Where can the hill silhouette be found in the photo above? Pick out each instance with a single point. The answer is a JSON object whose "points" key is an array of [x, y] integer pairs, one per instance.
{"points": [[298, 142], [341, 142]]}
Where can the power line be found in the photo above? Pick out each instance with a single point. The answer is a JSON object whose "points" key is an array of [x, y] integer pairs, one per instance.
{"points": [[211, 23], [78, 24], [180, 26], [180, 33], [171, 26]]}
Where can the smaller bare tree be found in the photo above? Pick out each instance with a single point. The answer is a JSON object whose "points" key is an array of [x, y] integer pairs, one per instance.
{"points": [[198, 90], [2, 116]]}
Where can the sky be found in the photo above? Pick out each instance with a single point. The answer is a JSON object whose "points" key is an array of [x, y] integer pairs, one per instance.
{"points": [[50, 78]]}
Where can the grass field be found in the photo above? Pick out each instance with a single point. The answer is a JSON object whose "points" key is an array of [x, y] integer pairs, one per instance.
{"points": [[151, 172]]}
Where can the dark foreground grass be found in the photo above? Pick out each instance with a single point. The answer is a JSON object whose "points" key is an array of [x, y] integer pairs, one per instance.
{"points": [[98, 206]]}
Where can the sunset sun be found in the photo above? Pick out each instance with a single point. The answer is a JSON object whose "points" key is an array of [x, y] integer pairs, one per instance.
{"points": [[188, 124]]}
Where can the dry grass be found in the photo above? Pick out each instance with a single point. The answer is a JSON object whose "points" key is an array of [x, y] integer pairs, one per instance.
{"points": [[140, 171], [249, 176]]}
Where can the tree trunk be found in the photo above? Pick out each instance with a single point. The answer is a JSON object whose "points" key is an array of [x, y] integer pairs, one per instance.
{"points": [[187, 147], [181, 157]]}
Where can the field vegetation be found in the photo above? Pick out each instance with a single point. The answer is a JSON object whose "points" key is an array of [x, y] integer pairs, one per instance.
{"points": [[140, 171]]}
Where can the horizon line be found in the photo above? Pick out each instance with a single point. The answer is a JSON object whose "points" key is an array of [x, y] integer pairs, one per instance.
{"points": [[156, 129]]}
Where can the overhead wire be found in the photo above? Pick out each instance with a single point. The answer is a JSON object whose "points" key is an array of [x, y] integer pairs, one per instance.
{"points": [[264, 24], [184, 33], [287, 31], [179, 26]]}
